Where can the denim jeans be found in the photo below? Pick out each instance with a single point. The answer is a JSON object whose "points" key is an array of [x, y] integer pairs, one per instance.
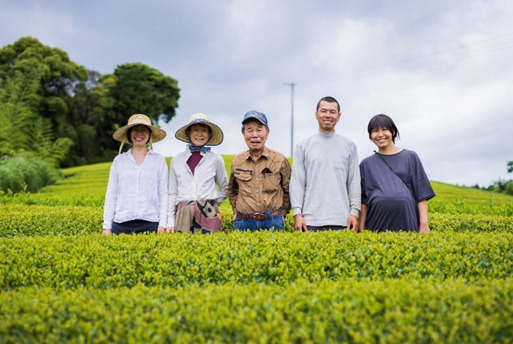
{"points": [[242, 225]]}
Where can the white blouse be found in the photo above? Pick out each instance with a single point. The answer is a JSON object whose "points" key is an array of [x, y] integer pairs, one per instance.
{"points": [[137, 192], [185, 186]]}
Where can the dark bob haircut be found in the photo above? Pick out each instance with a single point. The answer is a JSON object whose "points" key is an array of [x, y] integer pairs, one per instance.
{"points": [[384, 122]]}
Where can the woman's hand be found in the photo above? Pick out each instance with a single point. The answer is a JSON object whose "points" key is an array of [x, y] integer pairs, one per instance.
{"points": [[107, 231]]}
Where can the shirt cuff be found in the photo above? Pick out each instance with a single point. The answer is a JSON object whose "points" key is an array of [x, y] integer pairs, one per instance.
{"points": [[296, 211]]}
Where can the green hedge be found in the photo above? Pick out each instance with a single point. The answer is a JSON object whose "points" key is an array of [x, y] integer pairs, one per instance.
{"points": [[172, 260], [388, 311], [25, 220]]}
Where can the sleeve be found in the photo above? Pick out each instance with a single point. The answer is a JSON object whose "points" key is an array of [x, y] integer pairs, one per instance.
{"points": [[421, 185], [285, 184], [110, 197], [362, 183], [163, 192], [172, 195], [233, 188], [354, 186], [221, 180], [298, 181]]}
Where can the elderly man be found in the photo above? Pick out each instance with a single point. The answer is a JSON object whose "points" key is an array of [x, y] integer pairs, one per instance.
{"points": [[259, 180], [325, 185]]}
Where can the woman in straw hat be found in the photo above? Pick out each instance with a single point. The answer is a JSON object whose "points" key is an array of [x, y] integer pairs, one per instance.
{"points": [[193, 197], [136, 199]]}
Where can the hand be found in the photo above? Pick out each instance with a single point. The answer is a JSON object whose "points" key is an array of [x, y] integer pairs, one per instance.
{"points": [[424, 228], [352, 223], [299, 223], [170, 229], [161, 229], [107, 231]]}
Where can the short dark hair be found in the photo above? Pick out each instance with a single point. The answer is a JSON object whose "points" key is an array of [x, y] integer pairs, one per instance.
{"points": [[385, 122], [129, 132], [329, 100]]}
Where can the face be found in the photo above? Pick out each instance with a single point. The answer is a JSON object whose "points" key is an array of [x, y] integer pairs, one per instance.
{"points": [[255, 135], [328, 116], [199, 134], [140, 135], [382, 138]]}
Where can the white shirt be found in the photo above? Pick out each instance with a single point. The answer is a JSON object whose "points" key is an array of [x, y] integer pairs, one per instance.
{"points": [[185, 186], [136, 192]]}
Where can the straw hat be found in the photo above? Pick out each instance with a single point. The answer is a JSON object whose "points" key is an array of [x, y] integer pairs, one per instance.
{"points": [[157, 134], [201, 118]]}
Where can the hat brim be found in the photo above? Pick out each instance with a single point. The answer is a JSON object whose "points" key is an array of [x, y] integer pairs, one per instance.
{"points": [[216, 138], [157, 134]]}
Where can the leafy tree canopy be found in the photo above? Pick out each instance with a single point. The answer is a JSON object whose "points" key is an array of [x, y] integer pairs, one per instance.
{"points": [[138, 88]]}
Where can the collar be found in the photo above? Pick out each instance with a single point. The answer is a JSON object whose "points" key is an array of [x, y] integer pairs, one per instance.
{"points": [[265, 153]]}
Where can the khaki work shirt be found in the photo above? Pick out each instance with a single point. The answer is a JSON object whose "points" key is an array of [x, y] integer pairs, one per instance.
{"points": [[262, 185]]}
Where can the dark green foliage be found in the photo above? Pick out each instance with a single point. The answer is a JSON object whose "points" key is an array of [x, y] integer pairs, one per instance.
{"points": [[40, 86], [137, 88]]}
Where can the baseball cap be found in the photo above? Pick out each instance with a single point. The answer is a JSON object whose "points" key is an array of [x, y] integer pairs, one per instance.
{"points": [[259, 116]]}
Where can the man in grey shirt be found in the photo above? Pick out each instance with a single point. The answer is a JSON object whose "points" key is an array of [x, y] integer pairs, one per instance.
{"points": [[325, 189]]}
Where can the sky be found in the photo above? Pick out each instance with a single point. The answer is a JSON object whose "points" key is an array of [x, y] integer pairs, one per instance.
{"points": [[441, 69]]}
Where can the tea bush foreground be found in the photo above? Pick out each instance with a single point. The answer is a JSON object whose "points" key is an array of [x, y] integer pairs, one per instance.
{"points": [[62, 281]]}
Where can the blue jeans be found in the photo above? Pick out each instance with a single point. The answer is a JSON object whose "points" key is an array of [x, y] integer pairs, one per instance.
{"points": [[242, 225]]}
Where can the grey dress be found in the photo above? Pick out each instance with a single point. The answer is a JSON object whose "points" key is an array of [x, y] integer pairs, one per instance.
{"points": [[392, 202]]}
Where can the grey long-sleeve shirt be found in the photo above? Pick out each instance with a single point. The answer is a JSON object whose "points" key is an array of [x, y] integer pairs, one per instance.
{"points": [[325, 182]]}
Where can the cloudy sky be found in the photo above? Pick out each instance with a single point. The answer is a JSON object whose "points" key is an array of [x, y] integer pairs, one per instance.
{"points": [[443, 70]]}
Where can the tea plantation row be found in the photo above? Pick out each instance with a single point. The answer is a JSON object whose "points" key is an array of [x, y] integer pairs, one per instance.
{"points": [[344, 311], [25, 220]]}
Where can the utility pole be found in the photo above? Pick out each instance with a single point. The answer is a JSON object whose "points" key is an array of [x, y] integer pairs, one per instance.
{"points": [[291, 84]]}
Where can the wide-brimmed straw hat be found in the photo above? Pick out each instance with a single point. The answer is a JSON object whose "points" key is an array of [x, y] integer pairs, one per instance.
{"points": [[157, 134], [200, 118]]}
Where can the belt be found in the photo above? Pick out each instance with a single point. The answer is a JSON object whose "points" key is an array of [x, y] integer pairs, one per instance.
{"points": [[258, 216]]}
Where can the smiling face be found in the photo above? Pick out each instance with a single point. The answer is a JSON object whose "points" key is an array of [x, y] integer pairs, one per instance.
{"points": [[200, 134], [255, 135], [139, 135], [328, 116], [382, 138]]}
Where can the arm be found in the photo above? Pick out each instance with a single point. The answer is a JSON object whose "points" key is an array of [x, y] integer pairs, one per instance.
{"points": [[354, 187], [423, 217], [110, 200], [233, 191], [221, 181], [363, 218], [163, 195], [297, 186], [285, 182], [172, 194]]}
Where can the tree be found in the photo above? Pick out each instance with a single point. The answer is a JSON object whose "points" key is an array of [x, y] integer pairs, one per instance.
{"points": [[54, 80], [510, 167], [138, 88]]}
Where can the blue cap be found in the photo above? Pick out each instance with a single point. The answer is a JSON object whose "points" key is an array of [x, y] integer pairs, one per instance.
{"points": [[259, 116]]}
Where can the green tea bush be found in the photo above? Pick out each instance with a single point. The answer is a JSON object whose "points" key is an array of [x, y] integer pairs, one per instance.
{"points": [[179, 259], [346, 311], [22, 220]]}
